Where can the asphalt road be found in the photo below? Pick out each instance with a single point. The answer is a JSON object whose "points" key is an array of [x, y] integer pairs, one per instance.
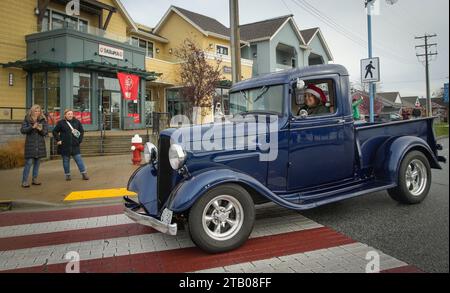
{"points": [[416, 234]]}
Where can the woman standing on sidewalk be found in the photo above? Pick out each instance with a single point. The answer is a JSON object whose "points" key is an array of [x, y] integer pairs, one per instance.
{"points": [[35, 127], [68, 134]]}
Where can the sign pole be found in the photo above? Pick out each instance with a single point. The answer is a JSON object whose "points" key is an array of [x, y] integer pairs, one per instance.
{"points": [[371, 84]]}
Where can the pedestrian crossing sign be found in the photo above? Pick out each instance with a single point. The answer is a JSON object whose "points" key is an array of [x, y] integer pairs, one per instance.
{"points": [[370, 70]]}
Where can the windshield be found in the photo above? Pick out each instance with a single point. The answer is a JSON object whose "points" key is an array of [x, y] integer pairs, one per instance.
{"points": [[265, 100]]}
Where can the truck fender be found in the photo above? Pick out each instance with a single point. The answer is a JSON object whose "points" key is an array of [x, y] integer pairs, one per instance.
{"points": [[144, 183], [390, 155], [188, 191]]}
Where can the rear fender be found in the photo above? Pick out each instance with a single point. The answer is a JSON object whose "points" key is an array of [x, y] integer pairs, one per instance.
{"points": [[390, 155]]}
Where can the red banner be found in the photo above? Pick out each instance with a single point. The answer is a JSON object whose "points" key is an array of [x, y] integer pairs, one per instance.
{"points": [[129, 84]]}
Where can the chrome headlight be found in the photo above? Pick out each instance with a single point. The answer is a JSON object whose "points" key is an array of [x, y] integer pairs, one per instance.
{"points": [[177, 156], [150, 153]]}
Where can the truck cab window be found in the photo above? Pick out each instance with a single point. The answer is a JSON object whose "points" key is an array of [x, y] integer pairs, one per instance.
{"points": [[317, 99]]}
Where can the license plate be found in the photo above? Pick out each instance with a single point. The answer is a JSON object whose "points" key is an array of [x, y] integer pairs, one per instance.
{"points": [[166, 217]]}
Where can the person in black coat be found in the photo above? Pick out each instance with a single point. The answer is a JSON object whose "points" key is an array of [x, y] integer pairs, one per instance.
{"points": [[35, 128], [68, 134]]}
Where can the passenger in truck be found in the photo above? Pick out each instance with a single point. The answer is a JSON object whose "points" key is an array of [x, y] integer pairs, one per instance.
{"points": [[315, 101]]}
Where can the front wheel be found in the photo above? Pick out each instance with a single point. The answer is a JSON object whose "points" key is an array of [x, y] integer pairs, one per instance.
{"points": [[414, 179], [222, 219]]}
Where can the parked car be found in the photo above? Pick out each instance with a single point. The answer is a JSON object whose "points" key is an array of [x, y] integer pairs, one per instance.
{"points": [[321, 159]]}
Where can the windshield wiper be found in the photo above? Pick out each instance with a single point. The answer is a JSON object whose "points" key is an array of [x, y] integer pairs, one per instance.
{"points": [[263, 91]]}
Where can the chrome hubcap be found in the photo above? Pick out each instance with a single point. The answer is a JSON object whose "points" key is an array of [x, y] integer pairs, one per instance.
{"points": [[223, 217], [416, 177]]}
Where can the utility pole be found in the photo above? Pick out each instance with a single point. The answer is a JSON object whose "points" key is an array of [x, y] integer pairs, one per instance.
{"points": [[426, 46], [372, 86], [235, 41]]}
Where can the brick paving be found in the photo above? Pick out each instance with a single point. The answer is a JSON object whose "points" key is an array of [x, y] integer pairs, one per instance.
{"points": [[281, 242]]}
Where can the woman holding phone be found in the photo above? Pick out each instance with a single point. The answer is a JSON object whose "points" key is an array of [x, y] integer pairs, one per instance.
{"points": [[35, 128], [68, 134]]}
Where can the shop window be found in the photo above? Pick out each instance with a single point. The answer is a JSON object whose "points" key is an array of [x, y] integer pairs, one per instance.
{"points": [[46, 93], [82, 101], [133, 111]]}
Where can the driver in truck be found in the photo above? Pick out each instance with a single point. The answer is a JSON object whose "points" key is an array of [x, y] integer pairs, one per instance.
{"points": [[315, 101]]}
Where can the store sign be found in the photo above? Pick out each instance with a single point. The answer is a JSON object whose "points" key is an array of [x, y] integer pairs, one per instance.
{"points": [[110, 52], [129, 85], [227, 70]]}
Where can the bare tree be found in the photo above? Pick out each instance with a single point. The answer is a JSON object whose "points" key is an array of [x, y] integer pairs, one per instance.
{"points": [[198, 76]]}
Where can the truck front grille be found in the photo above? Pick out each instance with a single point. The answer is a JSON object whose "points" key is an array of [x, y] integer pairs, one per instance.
{"points": [[165, 171]]}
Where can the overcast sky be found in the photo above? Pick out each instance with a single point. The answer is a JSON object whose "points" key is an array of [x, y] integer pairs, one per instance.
{"points": [[345, 28]]}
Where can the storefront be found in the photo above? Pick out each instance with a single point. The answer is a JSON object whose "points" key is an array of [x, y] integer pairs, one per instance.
{"points": [[72, 69]]}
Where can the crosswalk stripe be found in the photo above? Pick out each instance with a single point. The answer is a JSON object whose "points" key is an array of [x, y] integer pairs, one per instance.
{"points": [[191, 258], [65, 237], [103, 248], [62, 226], [107, 241], [22, 218]]}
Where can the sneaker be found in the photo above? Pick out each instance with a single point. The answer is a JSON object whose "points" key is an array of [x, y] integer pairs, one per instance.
{"points": [[85, 176], [36, 182], [68, 178], [25, 185]]}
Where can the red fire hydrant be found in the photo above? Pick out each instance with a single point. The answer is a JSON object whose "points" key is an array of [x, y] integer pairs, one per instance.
{"points": [[137, 148]]}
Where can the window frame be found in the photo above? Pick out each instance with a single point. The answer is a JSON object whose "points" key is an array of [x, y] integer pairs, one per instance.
{"points": [[50, 19], [315, 81], [147, 42], [224, 47]]}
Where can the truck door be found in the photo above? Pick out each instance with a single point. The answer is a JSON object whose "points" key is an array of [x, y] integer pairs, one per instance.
{"points": [[321, 149]]}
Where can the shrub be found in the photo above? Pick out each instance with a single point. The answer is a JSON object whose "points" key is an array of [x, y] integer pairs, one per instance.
{"points": [[12, 155]]}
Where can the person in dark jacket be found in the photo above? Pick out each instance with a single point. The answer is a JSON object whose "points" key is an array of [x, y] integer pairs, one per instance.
{"points": [[35, 128], [68, 134]]}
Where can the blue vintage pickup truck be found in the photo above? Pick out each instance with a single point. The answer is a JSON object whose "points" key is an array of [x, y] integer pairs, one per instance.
{"points": [[322, 156]]}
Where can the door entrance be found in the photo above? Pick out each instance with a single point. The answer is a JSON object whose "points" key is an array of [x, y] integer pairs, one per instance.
{"points": [[112, 109]]}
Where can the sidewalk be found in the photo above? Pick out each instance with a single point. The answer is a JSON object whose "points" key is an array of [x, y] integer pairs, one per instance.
{"points": [[108, 178]]}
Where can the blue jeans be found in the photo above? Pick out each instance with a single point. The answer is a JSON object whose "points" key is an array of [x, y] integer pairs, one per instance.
{"points": [[78, 160], [26, 170]]}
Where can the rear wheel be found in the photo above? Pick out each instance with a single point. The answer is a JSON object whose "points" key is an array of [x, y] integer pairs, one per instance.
{"points": [[222, 219], [414, 179]]}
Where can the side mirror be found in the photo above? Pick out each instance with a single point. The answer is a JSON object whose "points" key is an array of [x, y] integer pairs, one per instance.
{"points": [[303, 114], [300, 84]]}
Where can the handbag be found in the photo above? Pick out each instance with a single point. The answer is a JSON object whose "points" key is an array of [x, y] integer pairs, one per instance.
{"points": [[75, 132]]}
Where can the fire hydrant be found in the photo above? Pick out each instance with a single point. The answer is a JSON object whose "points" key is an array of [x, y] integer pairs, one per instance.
{"points": [[137, 148]]}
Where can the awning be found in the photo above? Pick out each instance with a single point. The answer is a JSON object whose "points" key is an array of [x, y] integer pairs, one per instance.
{"points": [[113, 68], [35, 64], [29, 65]]}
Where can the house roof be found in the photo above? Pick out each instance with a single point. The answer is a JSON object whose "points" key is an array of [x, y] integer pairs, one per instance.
{"points": [[309, 34], [264, 29], [204, 24], [409, 101], [390, 96], [136, 28]]}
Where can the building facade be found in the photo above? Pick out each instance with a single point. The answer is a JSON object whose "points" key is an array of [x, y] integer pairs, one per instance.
{"points": [[61, 60]]}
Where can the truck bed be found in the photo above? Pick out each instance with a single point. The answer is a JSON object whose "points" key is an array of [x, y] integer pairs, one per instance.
{"points": [[369, 137]]}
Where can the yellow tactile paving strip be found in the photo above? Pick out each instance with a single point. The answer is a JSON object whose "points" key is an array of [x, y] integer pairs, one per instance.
{"points": [[98, 194]]}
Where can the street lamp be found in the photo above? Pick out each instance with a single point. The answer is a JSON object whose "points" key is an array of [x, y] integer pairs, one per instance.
{"points": [[372, 86]]}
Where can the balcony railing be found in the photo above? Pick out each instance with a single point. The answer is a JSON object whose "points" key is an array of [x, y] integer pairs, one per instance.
{"points": [[92, 30]]}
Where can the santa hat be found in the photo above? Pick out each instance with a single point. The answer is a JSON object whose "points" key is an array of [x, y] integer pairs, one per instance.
{"points": [[318, 93]]}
